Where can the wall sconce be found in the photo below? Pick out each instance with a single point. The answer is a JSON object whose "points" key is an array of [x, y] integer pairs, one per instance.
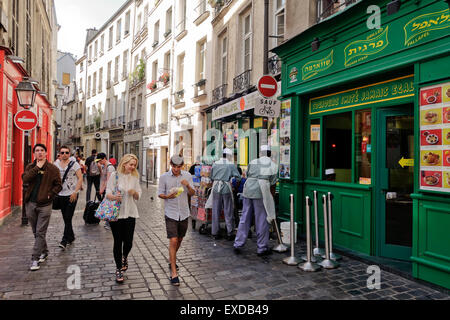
{"points": [[393, 7], [315, 45]]}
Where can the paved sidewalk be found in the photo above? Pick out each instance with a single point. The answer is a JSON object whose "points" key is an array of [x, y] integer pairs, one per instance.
{"points": [[208, 269]]}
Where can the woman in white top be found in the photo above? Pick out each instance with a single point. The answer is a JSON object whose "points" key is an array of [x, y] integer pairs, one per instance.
{"points": [[129, 192]]}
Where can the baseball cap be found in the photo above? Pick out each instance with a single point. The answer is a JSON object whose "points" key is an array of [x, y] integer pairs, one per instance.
{"points": [[228, 151], [177, 160], [100, 156]]}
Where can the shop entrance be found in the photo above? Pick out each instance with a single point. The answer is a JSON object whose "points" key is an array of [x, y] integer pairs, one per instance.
{"points": [[395, 175]]}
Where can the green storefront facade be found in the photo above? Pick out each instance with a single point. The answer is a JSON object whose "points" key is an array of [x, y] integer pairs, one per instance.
{"points": [[370, 112]]}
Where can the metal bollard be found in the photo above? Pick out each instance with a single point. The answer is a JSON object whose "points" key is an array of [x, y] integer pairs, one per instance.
{"points": [[292, 260], [333, 256], [319, 252], [327, 263], [309, 265], [280, 248]]}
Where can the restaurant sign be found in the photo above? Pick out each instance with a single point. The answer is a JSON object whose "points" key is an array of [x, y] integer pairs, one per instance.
{"points": [[394, 89]]}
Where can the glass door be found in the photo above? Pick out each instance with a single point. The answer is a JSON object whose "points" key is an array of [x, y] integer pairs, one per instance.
{"points": [[395, 182]]}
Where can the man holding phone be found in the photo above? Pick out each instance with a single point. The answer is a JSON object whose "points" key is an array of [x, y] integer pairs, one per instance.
{"points": [[176, 208]]}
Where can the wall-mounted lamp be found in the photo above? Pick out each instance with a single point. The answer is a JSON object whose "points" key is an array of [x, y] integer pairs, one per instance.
{"points": [[393, 7], [315, 45], [26, 93]]}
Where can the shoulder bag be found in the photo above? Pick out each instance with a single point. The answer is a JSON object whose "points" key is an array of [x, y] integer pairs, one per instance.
{"points": [[57, 200], [108, 210]]}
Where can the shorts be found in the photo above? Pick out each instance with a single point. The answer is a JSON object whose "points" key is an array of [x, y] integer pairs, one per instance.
{"points": [[176, 229]]}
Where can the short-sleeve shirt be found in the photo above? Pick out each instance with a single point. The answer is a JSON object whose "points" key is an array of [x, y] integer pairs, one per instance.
{"points": [[108, 168], [70, 184], [178, 208], [262, 168]]}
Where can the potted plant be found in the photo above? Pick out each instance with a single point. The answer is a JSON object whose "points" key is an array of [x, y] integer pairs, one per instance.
{"points": [[164, 78], [152, 85]]}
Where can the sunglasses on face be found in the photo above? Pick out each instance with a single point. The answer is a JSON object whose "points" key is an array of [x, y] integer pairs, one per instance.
{"points": [[64, 152]]}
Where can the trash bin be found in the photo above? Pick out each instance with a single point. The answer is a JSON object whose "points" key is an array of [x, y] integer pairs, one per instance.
{"points": [[285, 230]]}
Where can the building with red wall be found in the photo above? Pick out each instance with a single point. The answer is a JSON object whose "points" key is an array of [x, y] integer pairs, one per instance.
{"points": [[15, 145]]}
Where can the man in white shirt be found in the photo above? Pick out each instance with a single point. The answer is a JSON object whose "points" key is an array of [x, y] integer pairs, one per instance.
{"points": [[176, 208], [72, 181]]}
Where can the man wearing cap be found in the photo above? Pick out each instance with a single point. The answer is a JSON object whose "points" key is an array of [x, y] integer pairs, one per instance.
{"points": [[262, 175], [176, 208], [221, 196]]}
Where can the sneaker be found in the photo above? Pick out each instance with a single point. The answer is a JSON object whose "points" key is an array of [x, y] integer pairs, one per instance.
{"points": [[63, 245], [35, 265], [175, 281], [119, 276], [43, 257]]}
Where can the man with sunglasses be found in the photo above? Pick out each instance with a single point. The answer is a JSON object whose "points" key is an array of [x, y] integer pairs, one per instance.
{"points": [[72, 181]]}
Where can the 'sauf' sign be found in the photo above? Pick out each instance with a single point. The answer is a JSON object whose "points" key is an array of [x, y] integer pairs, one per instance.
{"points": [[359, 50], [421, 26]]}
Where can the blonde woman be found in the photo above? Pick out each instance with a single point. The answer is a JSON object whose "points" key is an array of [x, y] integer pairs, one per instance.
{"points": [[129, 193]]}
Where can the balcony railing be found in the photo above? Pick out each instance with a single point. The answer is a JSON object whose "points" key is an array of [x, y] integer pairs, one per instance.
{"points": [[121, 120], [91, 127], [274, 65], [181, 26], [163, 127], [130, 125], [326, 8], [113, 123], [179, 96], [200, 9], [137, 124], [106, 124], [218, 5], [242, 82], [219, 93]]}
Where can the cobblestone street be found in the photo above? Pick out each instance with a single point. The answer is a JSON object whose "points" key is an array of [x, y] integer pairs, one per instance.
{"points": [[209, 269]]}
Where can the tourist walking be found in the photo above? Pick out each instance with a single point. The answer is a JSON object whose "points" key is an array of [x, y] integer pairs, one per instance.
{"points": [[129, 192], [93, 176], [44, 183], [66, 201], [174, 187]]}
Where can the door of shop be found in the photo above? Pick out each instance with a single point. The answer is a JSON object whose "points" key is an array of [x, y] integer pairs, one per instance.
{"points": [[395, 176]]}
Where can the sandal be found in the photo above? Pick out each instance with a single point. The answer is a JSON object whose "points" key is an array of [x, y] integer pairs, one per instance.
{"points": [[175, 281], [119, 276], [124, 265]]}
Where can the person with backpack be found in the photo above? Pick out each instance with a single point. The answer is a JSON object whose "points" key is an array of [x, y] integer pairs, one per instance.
{"points": [[93, 176], [66, 200], [106, 171]]}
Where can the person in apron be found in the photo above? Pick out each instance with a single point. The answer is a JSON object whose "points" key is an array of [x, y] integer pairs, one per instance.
{"points": [[221, 196], [262, 175]]}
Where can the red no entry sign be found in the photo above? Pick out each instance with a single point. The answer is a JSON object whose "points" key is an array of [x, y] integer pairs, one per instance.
{"points": [[26, 120], [267, 86]]}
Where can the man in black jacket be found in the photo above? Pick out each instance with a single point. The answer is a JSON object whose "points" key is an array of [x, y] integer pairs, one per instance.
{"points": [[93, 176], [44, 183]]}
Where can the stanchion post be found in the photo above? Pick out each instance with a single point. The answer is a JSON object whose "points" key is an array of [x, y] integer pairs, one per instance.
{"points": [[333, 256], [309, 265], [327, 263], [317, 250], [280, 248], [292, 260]]}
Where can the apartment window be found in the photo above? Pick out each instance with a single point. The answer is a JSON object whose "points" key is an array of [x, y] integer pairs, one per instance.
{"points": [[127, 23], [247, 41], [155, 70], [28, 37], [136, 61], [116, 70], [100, 80], [118, 30], [145, 15], [94, 86], [81, 84], [108, 76], [168, 21], [107, 109], [181, 21], [81, 67], [152, 115], [111, 30], [90, 54], [116, 110], [15, 27], [125, 64], [165, 111], [139, 23], [89, 86], [102, 45], [95, 49], [201, 60], [167, 61], [223, 60], [156, 33], [280, 20], [180, 78]]}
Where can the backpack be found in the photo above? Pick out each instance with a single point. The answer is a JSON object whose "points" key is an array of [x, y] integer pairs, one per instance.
{"points": [[93, 169]]}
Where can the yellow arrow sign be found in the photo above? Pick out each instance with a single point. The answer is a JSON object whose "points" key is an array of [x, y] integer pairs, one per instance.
{"points": [[406, 162]]}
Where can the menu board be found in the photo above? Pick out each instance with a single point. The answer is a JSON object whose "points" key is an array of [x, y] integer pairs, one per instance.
{"points": [[285, 140], [435, 138]]}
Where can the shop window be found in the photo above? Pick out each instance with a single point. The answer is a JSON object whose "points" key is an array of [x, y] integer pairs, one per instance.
{"points": [[315, 148], [363, 152], [338, 147]]}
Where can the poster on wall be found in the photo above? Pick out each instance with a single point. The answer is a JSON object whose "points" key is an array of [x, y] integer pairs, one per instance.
{"points": [[9, 137], [285, 140], [435, 138]]}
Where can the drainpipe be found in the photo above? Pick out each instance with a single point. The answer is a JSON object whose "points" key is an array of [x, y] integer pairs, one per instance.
{"points": [[266, 37]]}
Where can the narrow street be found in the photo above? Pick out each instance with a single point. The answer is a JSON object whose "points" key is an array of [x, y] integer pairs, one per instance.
{"points": [[209, 269]]}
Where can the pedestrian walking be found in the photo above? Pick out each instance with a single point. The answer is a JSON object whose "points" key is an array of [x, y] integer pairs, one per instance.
{"points": [[221, 196], [262, 175], [44, 183], [107, 169], [93, 176], [174, 188], [66, 201], [129, 193]]}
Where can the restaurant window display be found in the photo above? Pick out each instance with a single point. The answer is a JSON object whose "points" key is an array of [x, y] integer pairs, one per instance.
{"points": [[363, 152], [285, 140], [338, 147], [315, 148]]}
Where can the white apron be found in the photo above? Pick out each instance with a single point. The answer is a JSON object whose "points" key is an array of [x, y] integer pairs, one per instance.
{"points": [[269, 203], [209, 202]]}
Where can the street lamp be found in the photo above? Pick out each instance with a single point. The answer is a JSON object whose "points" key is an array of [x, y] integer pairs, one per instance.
{"points": [[26, 93]]}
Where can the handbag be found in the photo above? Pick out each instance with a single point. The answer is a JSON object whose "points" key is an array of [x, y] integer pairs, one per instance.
{"points": [[57, 200], [108, 210]]}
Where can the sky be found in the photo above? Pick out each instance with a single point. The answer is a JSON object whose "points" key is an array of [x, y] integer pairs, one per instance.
{"points": [[75, 17]]}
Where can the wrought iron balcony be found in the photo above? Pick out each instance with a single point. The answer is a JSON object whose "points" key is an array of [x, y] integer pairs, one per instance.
{"points": [[130, 125], [113, 123], [106, 124], [121, 120], [326, 8], [242, 82], [137, 124], [91, 127], [219, 93], [274, 65], [163, 127]]}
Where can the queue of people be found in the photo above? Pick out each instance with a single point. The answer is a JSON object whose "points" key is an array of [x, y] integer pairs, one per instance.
{"points": [[57, 186]]}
